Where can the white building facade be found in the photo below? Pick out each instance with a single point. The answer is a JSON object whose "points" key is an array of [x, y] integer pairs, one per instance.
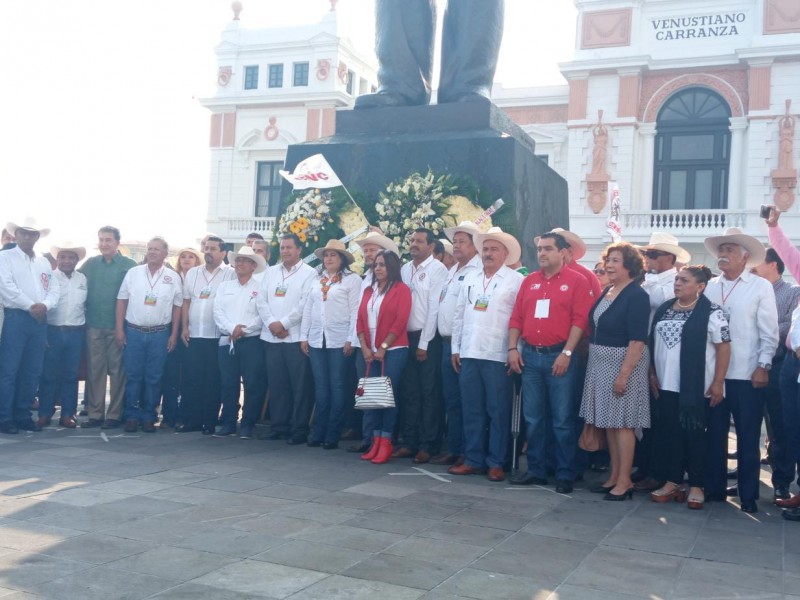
{"points": [[696, 98]]}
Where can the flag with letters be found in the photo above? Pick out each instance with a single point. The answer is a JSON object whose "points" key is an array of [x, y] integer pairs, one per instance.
{"points": [[313, 172]]}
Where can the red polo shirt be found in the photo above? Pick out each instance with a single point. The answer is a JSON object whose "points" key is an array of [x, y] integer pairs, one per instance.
{"points": [[570, 301], [594, 282]]}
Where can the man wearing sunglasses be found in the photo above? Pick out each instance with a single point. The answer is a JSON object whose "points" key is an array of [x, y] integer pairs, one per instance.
{"points": [[661, 255]]}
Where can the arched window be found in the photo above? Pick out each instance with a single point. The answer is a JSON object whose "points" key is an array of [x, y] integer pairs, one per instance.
{"points": [[692, 154]]}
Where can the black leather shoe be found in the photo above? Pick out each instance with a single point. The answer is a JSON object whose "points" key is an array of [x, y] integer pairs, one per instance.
{"points": [[358, 448], [564, 486], [91, 423], [184, 428], [628, 494], [782, 492], [792, 514], [275, 436], [732, 491], [749, 506], [330, 446], [29, 425], [528, 479], [296, 441], [8, 427]]}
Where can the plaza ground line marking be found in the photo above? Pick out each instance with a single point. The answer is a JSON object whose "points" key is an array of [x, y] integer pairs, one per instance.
{"points": [[426, 473]]}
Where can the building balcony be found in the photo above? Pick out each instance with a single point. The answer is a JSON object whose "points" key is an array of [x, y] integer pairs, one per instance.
{"points": [[688, 225], [235, 229]]}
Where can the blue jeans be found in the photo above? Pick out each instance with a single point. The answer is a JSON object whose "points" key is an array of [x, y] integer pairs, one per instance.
{"points": [[62, 359], [328, 369], [381, 422], [452, 402], [245, 367], [790, 393], [21, 358], [486, 392], [545, 395], [144, 358]]}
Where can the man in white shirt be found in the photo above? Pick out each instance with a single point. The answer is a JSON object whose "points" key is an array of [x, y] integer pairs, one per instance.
{"points": [[749, 302], [421, 408], [790, 390], [27, 290], [200, 402], [147, 320], [261, 247], [467, 261], [65, 338], [280, 304], [480, 354], [241, 352]]}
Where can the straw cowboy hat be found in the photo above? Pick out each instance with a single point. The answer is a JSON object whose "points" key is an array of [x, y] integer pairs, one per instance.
{"points": [[575, 242], [68, 246], [734, 235], [247, 252], [508, 240], [339, 247], [467, 227], [28, 223], [373, 237], [664, 242]]}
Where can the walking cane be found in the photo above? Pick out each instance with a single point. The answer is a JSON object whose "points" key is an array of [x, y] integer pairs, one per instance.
{"points": [[516, 417]]}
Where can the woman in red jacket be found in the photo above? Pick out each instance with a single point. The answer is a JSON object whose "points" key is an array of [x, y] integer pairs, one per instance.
{"points": [[381, 328]]}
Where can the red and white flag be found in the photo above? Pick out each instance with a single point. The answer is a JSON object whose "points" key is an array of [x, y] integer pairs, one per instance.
{"points": [[313, 172]]}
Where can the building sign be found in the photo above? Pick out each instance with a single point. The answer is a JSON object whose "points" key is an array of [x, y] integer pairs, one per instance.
{"points": [[705, 26]]}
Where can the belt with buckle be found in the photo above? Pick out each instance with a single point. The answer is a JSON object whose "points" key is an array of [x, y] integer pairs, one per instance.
{"points": [[153, 329], [546, 349]]}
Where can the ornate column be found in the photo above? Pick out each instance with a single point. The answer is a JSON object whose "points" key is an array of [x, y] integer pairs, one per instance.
{"points": [[647, 137], [597, 180], [737, 168], [784, 178]]}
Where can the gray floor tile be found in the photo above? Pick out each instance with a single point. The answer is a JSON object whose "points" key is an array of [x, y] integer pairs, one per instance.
{"points": [[96, 548], [24, 535], [279, 526], [472, 583], [256, 577], [321, 513], [313, 556], [574, 592], [347, 588], [650, 542], [738, 548], [290, 492], [194, 591], [229, 484], [178, 564], [700, 578], [231, 542], [102, 583], [467, 534], [401, 570], [392, 523], [353, 537], [485, 518], [21, 570], [353, 500], [427, 549]]}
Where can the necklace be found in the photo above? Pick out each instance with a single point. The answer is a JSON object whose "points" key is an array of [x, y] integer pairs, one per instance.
{"points": [[691, 304]]}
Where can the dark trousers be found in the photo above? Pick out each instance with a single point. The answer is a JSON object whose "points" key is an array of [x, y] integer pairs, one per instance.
{"points": [[421, 404], [790, 393], [172, 383], [245, 366], [290, 389], [678, 448], [451, 392], [200, 401], [21, 359], [745, 403], [144, 358], [59, 380], [404, 43], [783, 467]]}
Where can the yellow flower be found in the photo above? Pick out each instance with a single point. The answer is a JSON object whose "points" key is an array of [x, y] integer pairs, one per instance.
{"points": [[302, 237], [294, 227]]}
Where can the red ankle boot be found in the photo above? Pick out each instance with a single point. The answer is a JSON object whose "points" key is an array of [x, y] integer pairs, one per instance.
{"points": [[373, 450], [384, 452]]}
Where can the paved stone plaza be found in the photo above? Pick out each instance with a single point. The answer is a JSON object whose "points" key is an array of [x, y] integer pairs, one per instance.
{"points": [[85, 515]]}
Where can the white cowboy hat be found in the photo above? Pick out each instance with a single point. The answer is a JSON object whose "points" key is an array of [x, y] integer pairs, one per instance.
{"points": [[373, 237], [247, 252], [575, 242], [467, 227], [339, 247], [448, 247], [68, 246], [664, 242], [734, 235], [27, 223], [508, 240]]}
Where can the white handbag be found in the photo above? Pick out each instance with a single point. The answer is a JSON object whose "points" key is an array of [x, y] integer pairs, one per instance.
{"points": [[374, 392]]}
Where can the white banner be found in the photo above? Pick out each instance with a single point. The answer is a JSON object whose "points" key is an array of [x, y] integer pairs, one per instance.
{"points": [[313, 172], [613, 225]]}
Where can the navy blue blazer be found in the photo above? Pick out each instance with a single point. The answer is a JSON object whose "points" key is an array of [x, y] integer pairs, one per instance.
{"points": [[626, 320]]}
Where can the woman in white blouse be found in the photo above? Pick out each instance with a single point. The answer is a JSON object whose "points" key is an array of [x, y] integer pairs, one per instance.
{"points": [[329, 317]]}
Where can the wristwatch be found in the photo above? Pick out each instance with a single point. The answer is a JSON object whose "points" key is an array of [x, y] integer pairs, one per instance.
{"points": [[384, 345], [567, 353], [765, 366]]}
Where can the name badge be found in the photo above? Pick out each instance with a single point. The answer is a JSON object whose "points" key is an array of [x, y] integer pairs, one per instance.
{"points": [[150, 298], [443, 294], [280, 291], [481, 304], [542, 310], [205, 294]]}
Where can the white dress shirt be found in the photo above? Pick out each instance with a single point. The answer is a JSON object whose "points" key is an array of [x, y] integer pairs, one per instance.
{"points": [[25, 281], [660, 287], [793, 340], [150, 296], [282, 299], [426, 282], [71, 308], [335, 317], [200, 287], [366, 282], [449, 294], [480, 322], [750, 305], [237, 304]]}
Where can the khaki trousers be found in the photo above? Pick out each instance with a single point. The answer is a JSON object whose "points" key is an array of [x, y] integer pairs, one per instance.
{"points": [[104, 359]]}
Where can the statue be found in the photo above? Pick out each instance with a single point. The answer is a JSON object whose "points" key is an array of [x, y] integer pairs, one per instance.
{"points": [[784, 178], [597, 180], [787, 139], [404, 42]]}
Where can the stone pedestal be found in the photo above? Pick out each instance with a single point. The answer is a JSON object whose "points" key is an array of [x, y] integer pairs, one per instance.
{"points": [[374, 147]]}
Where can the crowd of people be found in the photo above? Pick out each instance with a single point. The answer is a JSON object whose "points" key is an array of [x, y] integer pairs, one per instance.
{"points": [[644, 359]]}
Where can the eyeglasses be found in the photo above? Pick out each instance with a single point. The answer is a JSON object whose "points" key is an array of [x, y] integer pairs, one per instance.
{"points": [[599, 271], [654, 253]]}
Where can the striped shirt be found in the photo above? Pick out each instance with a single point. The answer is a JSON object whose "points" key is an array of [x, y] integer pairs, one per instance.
{"points": [[787, 297]]}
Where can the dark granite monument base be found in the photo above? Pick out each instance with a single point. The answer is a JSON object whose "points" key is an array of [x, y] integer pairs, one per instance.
{"points": [[372, 148]]}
